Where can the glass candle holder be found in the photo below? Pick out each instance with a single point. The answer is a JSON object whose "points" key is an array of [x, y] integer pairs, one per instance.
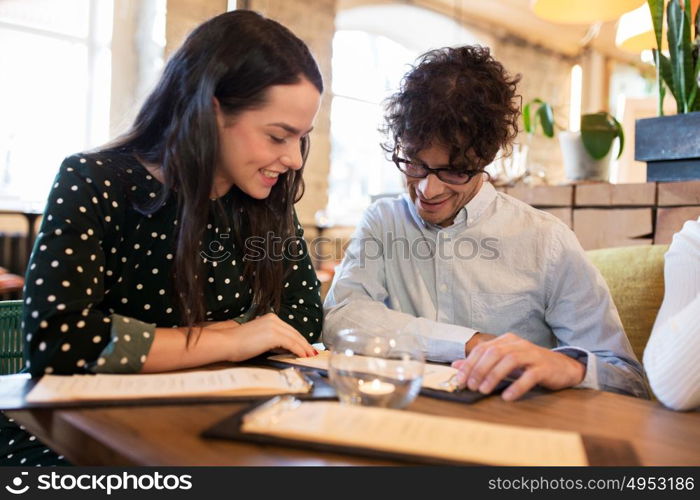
{"points": [[376, 368]]}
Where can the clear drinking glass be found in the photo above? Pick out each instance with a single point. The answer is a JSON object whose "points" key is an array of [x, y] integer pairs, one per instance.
{"points": [[376, 368]]}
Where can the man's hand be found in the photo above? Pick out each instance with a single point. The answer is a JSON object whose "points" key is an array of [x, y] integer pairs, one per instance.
{"points": [[477, 338], [490, 361]]}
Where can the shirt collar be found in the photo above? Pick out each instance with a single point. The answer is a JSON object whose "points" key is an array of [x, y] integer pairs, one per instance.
{"points": [[468, 214], [478, 205]]}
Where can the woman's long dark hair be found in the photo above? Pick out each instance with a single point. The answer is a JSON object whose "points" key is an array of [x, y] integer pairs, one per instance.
{"points": [[234, 57]]}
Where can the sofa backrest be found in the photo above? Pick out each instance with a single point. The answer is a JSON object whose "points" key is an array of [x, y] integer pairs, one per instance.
{"points": [[635, 276]]}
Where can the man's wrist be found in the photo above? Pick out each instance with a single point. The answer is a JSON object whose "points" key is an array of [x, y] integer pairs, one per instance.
{"points": [[471, 343], [578, 369]]}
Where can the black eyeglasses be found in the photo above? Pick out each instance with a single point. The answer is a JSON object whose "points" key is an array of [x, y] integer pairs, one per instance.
{"points": [[421, 171]]}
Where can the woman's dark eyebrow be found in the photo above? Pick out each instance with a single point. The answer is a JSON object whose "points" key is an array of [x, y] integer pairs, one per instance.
{"points": [[289, 128]]}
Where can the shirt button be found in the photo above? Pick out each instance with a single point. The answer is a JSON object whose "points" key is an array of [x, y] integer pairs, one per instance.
{"points": [[443, 288]]}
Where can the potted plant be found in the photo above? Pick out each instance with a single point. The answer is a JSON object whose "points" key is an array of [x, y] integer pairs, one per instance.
{"points": [[669, 144], [587, 154], [512, 169], [542, 115]]}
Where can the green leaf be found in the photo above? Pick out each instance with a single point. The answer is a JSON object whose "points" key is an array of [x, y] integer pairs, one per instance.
{"points": [[662, 96], [696, 57], [527, 119], [688, 12], [695, 94], [660, 82], [621, 135], [664, 66], [546, 117], [680, 52], [690, 53], [656, 7], [543, 114], [598, 131], [675, 52], [694, 90]]}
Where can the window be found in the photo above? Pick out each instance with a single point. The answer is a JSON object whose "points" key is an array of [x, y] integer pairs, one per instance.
{"points": [[632, 96], [372, 49], [55, 60], [370, 67]]}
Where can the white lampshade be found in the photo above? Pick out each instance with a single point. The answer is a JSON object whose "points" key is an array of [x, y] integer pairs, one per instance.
{"points": [[582, 11], [635, 31]]}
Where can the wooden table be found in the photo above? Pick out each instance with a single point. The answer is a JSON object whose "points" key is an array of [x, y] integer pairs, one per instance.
{"points": [[169, 435]]}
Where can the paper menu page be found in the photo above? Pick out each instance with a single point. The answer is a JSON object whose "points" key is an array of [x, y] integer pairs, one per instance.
{"points": [[320, 361], [397, 431], [230, 381], [439, 377], [435, 376]]}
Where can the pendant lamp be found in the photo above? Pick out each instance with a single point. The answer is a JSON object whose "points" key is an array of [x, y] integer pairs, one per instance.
{"points": [[582, 11], [635, 31]]}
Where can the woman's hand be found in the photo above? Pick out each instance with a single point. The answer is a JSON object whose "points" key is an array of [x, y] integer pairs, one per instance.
{"points": [[217, 341], [247, 340]]}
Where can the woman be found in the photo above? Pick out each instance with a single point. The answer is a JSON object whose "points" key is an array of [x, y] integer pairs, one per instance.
{"points": [[177, 245], [671, 355]]}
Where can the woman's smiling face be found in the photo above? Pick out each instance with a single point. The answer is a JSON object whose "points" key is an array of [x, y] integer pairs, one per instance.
{"points": [[259, 145]]}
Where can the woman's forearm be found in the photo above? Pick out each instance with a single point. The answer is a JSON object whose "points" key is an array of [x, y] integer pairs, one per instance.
{"points": [[170, 350]]}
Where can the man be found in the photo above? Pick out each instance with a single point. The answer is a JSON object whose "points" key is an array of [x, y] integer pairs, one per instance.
{"points": [[483, 280]]}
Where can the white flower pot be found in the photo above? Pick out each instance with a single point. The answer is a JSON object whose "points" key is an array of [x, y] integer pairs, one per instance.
{"points": [[578, 164]]}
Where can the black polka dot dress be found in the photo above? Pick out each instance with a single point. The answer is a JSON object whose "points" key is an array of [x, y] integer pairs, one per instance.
{"points": [[100, 278]]}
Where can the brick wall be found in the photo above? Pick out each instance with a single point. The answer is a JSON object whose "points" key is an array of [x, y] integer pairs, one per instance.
{"points": [[182, 16], [610, 215], [313, 22]]}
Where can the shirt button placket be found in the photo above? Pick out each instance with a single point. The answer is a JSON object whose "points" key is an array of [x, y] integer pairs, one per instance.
{"points": [[443, 275]]}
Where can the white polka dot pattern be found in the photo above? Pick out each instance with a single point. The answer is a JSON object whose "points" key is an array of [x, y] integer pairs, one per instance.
{"points": [[98, 258]]}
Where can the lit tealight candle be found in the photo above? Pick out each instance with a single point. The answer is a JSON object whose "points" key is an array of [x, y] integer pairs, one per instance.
{"points": [[377, 388]]}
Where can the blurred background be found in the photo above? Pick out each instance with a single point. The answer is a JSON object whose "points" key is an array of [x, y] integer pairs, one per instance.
{"points": [[74, 73]]}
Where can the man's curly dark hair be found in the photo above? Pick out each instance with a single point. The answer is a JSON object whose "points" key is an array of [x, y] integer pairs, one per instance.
{"points": [[458, 97]]}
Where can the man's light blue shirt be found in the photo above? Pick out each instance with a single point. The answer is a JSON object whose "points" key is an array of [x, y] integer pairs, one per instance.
{"points": [[502, 266]]}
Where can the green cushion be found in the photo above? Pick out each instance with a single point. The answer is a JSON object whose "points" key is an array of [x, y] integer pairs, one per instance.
{"points": [[635, 276]]}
